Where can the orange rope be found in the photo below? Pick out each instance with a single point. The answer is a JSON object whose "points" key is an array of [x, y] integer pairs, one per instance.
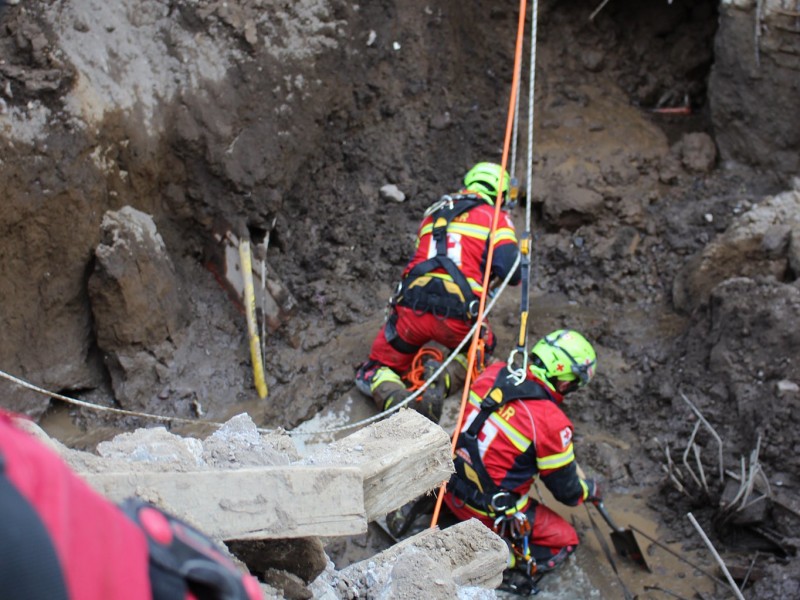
{"points": [[480, 359], [416, 375], [473, 349]]}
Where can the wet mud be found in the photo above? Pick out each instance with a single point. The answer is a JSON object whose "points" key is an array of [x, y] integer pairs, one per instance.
{"points": [[655, 226]]}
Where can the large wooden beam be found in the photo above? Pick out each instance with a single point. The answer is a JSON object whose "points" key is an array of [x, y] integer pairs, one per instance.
{"points": [[330, 494], [400, 458], [253, 503]]}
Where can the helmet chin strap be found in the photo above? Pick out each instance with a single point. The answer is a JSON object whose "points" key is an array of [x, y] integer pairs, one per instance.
{"points": [[564, 387]]}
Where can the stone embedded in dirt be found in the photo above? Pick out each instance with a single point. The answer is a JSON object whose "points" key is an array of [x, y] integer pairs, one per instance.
{"points": [[698, 152], [571, 205], [741, 252], [289, 584], [393, 193], [136, 304]]}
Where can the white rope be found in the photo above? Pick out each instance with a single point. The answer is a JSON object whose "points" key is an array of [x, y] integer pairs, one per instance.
{"points": [[531, 100], [264, 292], [520, 373], [515, 134], [432, 378], [215, 424], [99, 407]]}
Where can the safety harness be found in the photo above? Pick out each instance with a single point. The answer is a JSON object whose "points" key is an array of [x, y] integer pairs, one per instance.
{"points": [[485, 494], [423, 292]]}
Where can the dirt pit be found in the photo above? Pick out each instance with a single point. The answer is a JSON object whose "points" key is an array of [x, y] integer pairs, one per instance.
{"points": [[662, 229]]}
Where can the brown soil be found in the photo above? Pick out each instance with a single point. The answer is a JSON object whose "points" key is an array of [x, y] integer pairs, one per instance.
{"points": [[287, 119]]}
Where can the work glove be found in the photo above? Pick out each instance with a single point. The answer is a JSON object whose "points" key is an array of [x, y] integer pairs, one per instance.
{"points": [[595, 495], [184, 562]]}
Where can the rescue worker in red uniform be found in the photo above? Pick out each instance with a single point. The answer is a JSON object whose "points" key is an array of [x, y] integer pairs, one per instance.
{"points": [[61, 540], [513, 431], [441, 287]]}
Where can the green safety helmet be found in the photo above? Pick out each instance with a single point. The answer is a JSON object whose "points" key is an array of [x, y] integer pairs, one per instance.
{"points": [[565, 359], [484, 178]]}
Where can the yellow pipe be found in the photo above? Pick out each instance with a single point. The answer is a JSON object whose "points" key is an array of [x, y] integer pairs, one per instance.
{"points": [[250, 311]]}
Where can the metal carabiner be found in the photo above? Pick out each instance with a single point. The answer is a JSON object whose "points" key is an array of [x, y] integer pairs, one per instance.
{"points": [[500, 525], [501, 508]]}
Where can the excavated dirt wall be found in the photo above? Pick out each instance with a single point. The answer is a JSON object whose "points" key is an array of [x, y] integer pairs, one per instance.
{"points": [[663, 155]]}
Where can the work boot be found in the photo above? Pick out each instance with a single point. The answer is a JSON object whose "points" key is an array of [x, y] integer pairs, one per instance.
{"points": [[519, 583], [391, 400], [432, 400], [546, 564], [388, 394], [382, 384], [364, 376]]}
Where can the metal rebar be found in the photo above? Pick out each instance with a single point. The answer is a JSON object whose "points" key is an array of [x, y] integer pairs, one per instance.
{"points": [[675, 554], [689, 445], [673, 472], [750, 569], [696, 449], [716, 555], [754, 467], [598, 9], [674, 479], [712, 431], [732, 504], [666, 591]]}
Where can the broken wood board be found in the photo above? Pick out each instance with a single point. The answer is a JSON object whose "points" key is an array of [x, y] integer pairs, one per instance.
{"points": [[469, 553], [400, 458], [253, 503]]}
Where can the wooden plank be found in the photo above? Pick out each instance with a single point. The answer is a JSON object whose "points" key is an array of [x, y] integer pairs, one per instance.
{"points": [[254, 503], [400, 458]]}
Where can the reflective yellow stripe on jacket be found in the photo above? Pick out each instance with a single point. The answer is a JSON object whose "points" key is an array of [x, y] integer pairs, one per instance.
{"points": [[521, 443]]}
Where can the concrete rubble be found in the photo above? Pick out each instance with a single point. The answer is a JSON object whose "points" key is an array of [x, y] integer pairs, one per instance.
{"points": [[271, 507]]}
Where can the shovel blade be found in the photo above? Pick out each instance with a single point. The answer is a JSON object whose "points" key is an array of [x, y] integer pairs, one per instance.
{"points": [[626, 545]]}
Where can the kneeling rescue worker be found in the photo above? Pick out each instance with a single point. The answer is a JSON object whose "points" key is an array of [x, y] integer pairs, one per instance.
{"points": [[441, 287], [513, 432]]}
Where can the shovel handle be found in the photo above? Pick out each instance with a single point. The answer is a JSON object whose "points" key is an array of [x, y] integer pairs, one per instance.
{"points": [[601, 508]]}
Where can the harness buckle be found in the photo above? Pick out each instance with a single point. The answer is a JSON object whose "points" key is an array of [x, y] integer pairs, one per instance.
{"points": [[489, 404], [398, 293], [472, 309], [502, 501]]}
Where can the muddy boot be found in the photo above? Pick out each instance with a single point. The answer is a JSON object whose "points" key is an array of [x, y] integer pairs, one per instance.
{"points": [[388, 388], [519, 583], [382, 384], [388, 396], [364, 376], [546, 561], [458, 372], [432, 400]]}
